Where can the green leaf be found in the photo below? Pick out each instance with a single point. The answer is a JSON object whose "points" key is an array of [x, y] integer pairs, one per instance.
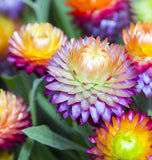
{"points": [[50, 110], [43, 152], [16, 84], [32, 96], [61, 18], [41, 8], [26, 149], [45, 136]]}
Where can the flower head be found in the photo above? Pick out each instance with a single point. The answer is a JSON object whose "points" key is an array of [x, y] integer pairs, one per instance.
{"points": [[89, 5], [6, 30], [138, 43], [12, 8], [104, 18], [127, 138], [13, 118], [34, 44], [89, 78]]}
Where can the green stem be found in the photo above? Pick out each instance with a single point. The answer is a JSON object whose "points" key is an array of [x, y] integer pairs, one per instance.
{"points": [[32, 97], [33, 110], [150, 106], [41, 9]]}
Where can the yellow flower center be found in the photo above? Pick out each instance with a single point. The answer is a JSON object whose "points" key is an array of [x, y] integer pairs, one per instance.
{"points": [[90, 64], [127, 145], [40, 41]]}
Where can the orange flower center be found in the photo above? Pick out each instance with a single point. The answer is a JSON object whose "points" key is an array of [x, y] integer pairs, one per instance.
{"points": [[90, 64], [40, 41]]}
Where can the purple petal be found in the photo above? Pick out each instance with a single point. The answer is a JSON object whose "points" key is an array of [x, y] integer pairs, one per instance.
{"points": [[48, 78], [63, 107], [95, 116], [58, 98], [92, 139], [100, 106], [146, 77], [130, 115], [65, 114], [76, 111], [48, 92], [118, 110], [55, 86], [147, 90], [85, 116], [107, 114]]}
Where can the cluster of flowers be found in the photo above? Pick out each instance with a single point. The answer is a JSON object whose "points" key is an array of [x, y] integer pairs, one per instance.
{"points": [[89, 79]]}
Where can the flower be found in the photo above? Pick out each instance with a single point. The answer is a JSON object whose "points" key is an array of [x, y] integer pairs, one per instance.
{"points": [[12, 8], [127, 138], [101, 18], [13, 118], [33, 45], [90, 80], [5, 155], [6, 30], [138, 43], [143, 10]]}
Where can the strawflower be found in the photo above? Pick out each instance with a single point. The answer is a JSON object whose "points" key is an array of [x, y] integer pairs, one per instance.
{"points": [[90, 80], [138, 43], [104, 18], [12, 8], [34, 44], [127, 138], [7, 27], [13, 118]]}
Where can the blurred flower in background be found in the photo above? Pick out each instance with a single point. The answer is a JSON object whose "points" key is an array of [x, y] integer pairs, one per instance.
{"points": [[13, 118], [138, 41], [90, 80], [5, 155], [11, 8], [104, 18], [34, 44], [143, 10], [128, 137], [7, 27]]}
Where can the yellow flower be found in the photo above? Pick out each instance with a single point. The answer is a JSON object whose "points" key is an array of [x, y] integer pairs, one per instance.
{"points": [[34, 44], [6, 30]]}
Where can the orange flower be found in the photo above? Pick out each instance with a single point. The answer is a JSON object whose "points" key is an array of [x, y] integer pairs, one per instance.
{"points": [[127, 138], [90, 5], [139, 43]]}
